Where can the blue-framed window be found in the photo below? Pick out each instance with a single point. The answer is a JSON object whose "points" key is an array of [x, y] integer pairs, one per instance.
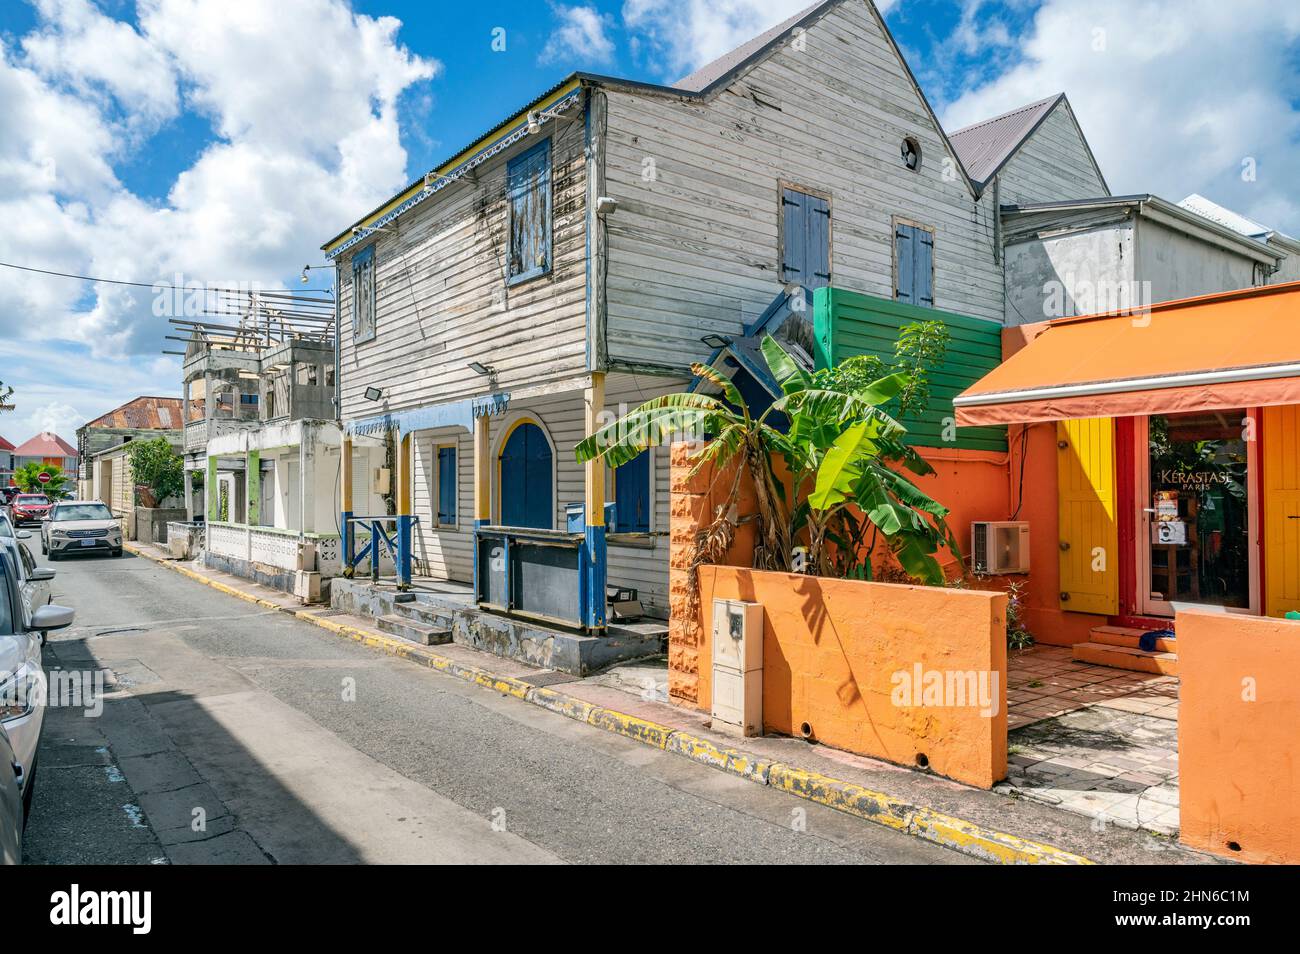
{"points": [[248, 399], [446, 486], [632, 495], [528, 193], [914, 264], [363, 294]]}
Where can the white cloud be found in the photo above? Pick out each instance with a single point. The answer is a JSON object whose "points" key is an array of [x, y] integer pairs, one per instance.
{"points": [[303, 96], [79, 46], [1173, 95], [582, 35]]}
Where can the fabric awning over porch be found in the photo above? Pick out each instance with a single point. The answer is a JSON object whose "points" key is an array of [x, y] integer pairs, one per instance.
{"points": [[1235, 349]]}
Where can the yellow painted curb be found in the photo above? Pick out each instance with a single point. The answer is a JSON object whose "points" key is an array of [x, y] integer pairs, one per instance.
{"points": [[651, 733], [727, 760], [894, 813]]}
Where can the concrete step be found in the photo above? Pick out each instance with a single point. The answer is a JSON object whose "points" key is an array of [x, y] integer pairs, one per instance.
{"points": [[1125, 657], [423, 613], [1128, 636], [416, 632]]}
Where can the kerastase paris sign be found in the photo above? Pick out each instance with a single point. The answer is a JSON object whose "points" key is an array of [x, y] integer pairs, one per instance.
{"points": [[1193, 478]]}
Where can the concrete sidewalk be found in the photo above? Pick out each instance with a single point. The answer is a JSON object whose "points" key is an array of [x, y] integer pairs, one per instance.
{"points": [[628, 701]]}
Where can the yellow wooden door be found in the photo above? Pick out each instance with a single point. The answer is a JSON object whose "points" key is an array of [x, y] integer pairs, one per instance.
{"points": [[1281, 439], [1089, 534]]}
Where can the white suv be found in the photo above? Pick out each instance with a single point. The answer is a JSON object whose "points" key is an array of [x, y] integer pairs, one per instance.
{"points": [[80, 527]]}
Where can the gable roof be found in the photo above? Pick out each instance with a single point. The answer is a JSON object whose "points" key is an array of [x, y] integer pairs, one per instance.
{"points": [[736, 59], [45, 444], [5, 445], [701, 84], [143, 413], [985, 147]]}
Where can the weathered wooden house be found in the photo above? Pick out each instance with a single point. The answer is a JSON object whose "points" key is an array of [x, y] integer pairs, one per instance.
{"points": [[578, 257]]}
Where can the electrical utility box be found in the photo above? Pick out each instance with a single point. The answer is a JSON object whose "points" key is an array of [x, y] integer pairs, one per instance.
{"points": [[737, 667]]}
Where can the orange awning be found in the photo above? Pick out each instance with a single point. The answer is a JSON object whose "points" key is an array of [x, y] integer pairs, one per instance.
{"points": [[1235, 349]]}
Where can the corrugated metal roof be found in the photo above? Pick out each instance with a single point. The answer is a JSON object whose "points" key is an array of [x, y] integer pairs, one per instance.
{"points": [[1225, 217], [712, 72], [145, 413], [45, 444], [985, 146]]}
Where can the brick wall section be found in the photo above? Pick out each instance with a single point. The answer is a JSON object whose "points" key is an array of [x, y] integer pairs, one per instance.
{"points": [[693, 503]]}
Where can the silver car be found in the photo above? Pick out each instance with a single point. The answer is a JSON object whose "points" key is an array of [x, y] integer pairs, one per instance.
{"points": [[23, 683], [33, 580], [85, 526]]}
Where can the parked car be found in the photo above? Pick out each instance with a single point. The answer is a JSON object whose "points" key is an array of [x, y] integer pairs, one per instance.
{"points": [[22, 675], [11, 805], [7, 494], [29, 508], [79, 527], [33, 580]]}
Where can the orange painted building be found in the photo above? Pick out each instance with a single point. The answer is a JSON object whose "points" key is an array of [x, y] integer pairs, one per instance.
{"points": [[1161, 459]]}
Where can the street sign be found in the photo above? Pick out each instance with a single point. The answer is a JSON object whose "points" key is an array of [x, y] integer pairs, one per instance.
{"points": [[43, 477]]}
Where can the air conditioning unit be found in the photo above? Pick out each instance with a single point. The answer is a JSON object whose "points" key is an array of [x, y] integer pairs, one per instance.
{"points": [[999, 547], [737, 667]]}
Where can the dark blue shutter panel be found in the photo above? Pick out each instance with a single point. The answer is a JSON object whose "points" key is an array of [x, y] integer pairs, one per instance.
{"points": [[632, 495], [794, 236], [923, 272], [819, 243], [905, 263], [447, 485]]}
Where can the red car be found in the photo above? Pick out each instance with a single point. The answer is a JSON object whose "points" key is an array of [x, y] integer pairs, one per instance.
{"points": [[29, 508]]}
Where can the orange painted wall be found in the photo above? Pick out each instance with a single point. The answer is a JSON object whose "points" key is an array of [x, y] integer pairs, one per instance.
{"points": [[833, 652], [1239, 760]]}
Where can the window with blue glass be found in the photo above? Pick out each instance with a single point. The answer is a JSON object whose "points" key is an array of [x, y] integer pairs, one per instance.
{"points": [[447, 486], [528, 192], [363, 294], [632, 495]]}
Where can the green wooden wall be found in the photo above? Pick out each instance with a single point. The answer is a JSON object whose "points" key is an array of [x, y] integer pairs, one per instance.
{"points": [[847, 323]]}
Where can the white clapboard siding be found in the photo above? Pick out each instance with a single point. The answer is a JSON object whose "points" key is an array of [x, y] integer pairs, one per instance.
{"points": [[1052, 165], [443, 301], [693, 247], [447, 554]]}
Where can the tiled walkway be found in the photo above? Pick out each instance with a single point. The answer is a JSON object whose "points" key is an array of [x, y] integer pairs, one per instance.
{"points": [[1092, 740]]}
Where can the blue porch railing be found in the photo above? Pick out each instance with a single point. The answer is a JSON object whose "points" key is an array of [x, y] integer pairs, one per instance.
{"points": [[398, 544]]}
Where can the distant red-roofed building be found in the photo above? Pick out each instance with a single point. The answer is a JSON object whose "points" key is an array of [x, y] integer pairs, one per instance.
{"points": [[46, 448]]}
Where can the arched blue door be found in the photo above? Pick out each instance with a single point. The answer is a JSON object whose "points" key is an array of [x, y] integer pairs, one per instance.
{"points": [[526, 499]]}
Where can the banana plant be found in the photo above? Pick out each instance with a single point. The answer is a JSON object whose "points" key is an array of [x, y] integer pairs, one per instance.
{"points": [[844, 491]]}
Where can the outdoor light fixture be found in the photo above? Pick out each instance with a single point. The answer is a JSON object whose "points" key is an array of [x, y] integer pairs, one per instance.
{"points": [[367, 229], [535, 119], [373, 394], [307, 268], [715, 341], [606, 205], [478, 367]]}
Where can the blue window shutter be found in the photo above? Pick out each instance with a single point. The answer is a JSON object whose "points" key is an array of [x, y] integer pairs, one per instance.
{"points": [[819, 243], [446, 485], [632, 495], [528, 192], [923, 271], [904, 259], [794, 236]]}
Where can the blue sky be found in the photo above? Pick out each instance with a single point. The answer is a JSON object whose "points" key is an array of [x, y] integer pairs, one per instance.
{"points": [[224, 140]]}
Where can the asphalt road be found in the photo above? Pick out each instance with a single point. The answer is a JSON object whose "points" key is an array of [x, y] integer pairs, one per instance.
{"points": [[230, 733]]}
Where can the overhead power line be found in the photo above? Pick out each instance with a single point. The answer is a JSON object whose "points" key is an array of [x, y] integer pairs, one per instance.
{"points": [[118, 281]]}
